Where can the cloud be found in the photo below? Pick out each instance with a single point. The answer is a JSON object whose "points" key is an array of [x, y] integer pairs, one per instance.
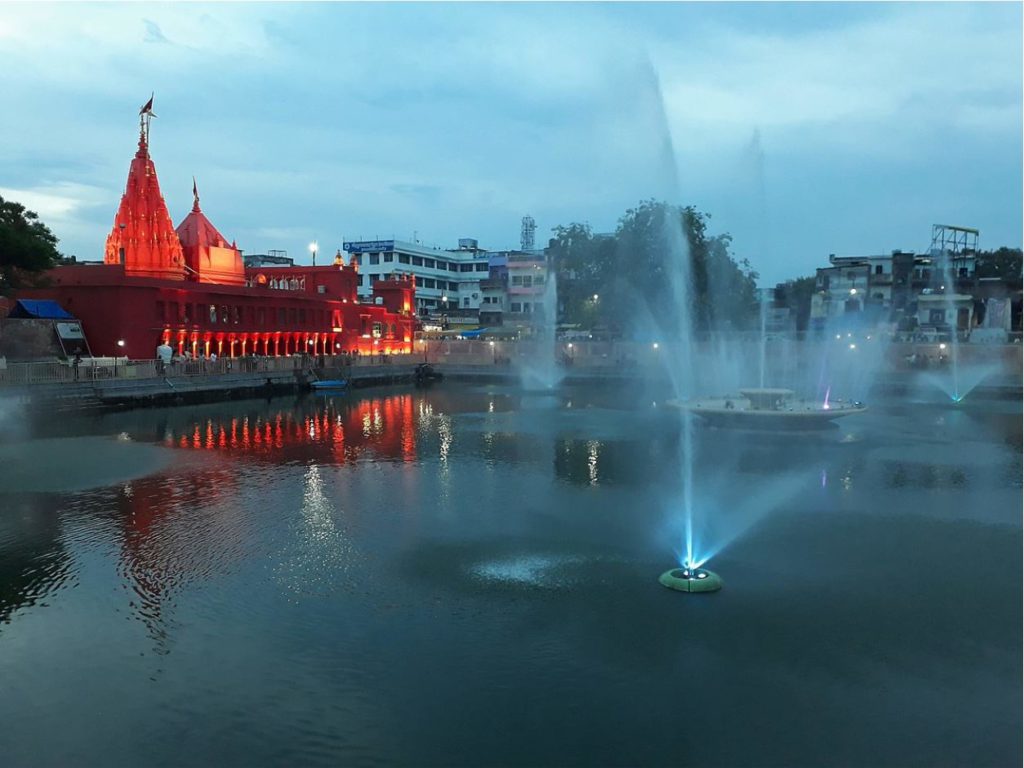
{"points": [[319, 120], [153, 33]]}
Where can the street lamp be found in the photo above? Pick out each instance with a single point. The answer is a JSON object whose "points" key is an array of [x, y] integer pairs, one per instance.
{"points": [[853, 291], [312, 249], [120, 344], [654, 345], [596, 297]]}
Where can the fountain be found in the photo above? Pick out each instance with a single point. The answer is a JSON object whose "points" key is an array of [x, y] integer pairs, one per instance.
{"points": [[542, 370], [691, 580]]}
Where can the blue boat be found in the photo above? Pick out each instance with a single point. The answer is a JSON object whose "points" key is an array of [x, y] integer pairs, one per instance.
{"points": [[330, 384]]}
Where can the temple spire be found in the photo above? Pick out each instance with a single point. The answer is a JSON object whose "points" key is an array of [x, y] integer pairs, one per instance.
{"points": [[195, 196]]}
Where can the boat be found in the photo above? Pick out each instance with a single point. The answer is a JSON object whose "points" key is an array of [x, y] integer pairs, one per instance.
{"points": [[426, 373], [768, 408], [329, 384]]}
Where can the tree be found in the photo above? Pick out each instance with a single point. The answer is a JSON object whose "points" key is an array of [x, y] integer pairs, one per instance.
{"points": [[635, 272], [1004, 263], [796, 294], [27, 247]]}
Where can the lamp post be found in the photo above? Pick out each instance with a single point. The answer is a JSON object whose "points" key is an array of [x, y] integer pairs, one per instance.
{"points": [[120, 344], [312, 249]]}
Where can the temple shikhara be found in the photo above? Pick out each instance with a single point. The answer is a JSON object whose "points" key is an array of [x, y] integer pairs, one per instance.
{"points": [[188, 286]]}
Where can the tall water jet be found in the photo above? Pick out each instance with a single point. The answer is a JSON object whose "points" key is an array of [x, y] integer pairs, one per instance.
{"points": [[764, 336], [542, 368]]}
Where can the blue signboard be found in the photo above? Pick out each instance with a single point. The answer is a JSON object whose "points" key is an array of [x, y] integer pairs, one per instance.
{"points": [[364, 246]]}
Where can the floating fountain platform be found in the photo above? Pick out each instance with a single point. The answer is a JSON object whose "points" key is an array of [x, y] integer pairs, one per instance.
{"points": [[771, 408], [691, 580]]}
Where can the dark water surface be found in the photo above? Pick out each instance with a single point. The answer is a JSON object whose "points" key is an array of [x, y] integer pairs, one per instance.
{"points": [[468, 576]]}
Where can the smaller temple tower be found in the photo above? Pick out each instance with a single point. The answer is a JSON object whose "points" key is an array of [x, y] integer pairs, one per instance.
{"points": [[209, 258], [143, 239]]}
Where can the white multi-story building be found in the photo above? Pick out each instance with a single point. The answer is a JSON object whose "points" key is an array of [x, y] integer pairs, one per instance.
{"points": [[446, 280]]}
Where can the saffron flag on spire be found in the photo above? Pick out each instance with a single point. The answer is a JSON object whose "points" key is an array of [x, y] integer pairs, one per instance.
{"points": [[148, 108]]}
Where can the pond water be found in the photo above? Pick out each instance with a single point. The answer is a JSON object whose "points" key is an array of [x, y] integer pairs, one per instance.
{"points": [[468, 575]]}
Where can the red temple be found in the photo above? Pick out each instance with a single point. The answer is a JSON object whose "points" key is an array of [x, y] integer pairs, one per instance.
{"points": [[188, 286]]}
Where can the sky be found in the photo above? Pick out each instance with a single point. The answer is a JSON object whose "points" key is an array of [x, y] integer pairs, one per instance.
{"points": [[801, 129]]}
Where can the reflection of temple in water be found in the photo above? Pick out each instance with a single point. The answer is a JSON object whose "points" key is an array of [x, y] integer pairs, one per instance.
{"points": [[174, 533], [315, 430]]}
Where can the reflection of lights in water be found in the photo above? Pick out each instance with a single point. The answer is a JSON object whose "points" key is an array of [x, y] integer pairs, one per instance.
{"points": [[367, 425], [444, 431], [320, 550], [124, 437], [593, 450], [824, 478], [847, 481], [490, 407]]}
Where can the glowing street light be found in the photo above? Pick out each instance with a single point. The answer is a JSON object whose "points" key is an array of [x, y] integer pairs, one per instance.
{"points": [[313, 249], [853, 291], [596, 297], [654, 345]]}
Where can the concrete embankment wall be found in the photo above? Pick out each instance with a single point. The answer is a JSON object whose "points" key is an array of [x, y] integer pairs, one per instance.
{"points": [[140, 385]]}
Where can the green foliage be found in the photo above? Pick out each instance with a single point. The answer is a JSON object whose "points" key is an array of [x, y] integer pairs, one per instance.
{"points": [[632, 272], [1004, 263], [27, 247], [797, 294]]}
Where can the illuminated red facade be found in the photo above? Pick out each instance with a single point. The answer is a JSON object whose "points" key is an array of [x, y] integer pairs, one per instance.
{"points": [[188, 286]]}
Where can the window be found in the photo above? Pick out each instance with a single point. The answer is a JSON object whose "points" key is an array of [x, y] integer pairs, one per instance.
{"points": [[417, 261], [378, 329], [224, 313], [428, 283], [236, 314], [963, 272], [403, 258], [517, 280], [878, 269], [526, 307], [453, 286], [375, 258], [516, 306], [357, 259], [429, 263], [453, 267], [538, 279], [393, 329], [465, 267], [388, 257], [937, 316], [527, 281], [213, 313], [321, 289], [481, 267]]}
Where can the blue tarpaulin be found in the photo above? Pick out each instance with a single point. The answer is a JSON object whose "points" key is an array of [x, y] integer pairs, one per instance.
{"points": [[39, 309]]}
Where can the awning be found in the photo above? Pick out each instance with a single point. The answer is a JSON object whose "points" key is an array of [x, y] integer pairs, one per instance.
{"points": [[39, 309]]}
